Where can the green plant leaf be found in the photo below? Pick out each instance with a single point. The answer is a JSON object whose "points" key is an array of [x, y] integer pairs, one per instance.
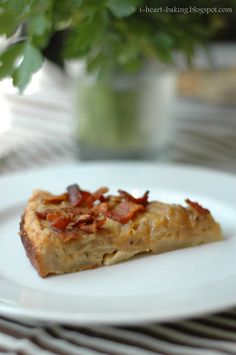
{"points": [[77, 2], [38, 25], [111, 35], [18, 6], [122, 8], [163, 45], [8, 24], [8, 59], [85, 36], [31, 62]]}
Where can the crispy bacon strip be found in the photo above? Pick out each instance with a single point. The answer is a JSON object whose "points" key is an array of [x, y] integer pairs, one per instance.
{"points": [[52, 215], [89, 223], [125, 211], [78, 197], [141, 200], [83, 219], [85, 214], [56, 198], [41, 215], [98, 195], [62, 218], [99, 222], [197, 207], [75, 195], [86, 199], [93, 227], [62, 222], [56, 217], [102, 207]]}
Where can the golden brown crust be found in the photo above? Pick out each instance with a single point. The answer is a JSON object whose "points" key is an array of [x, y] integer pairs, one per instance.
{"points": [[34, 258], [30, 249]]}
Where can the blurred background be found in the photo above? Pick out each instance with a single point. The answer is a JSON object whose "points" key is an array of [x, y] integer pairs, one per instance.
{"points": [[150, 80]]}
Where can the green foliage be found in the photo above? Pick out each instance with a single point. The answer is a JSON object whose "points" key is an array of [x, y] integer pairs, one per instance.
{"points": [[122, 8], [31, 62], [20, 61], [110, 35], [8, 60], [7, 24]]}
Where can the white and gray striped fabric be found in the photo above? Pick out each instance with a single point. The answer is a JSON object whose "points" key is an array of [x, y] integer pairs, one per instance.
{"points": [[205, 135], [212, 335]]}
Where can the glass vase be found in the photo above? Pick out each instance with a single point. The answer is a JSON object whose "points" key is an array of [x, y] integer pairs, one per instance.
{"points": [[125, 117]]}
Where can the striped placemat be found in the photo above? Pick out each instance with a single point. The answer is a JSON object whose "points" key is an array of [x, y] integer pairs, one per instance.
{"points": [[205, 135], [212, 335]]}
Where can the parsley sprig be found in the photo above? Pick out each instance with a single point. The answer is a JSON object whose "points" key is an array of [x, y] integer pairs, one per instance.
{"points": [[110, 35]]}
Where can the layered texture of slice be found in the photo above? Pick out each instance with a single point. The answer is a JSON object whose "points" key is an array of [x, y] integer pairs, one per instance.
{"points": [[80, 230]]}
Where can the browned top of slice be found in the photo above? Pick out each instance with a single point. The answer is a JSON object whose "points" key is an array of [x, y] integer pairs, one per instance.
{"points": [[88, 211], [77, 213]]}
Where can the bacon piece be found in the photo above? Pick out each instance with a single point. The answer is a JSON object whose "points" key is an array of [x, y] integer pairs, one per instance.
{"points": [[143, 200], [101, 208], [56, 198], [50, 214], [98, 195], [86, 196], [85, 214], [75, 217], [197, 207], [99, 222], [41, 215], [93, 227], [78, 197], [75, 196], [62, 222], [58, 218], [125, 211], [89, 223], [83, 219], [75, 211]]}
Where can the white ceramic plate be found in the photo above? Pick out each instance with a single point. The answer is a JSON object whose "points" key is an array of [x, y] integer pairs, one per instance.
{"points": [[162, 287]]}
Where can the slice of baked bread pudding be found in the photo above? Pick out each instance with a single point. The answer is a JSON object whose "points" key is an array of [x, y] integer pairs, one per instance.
{"points": [[79, 230]]}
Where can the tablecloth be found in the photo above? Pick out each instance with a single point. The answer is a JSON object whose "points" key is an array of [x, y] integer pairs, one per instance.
{"points": [[35, 132]]}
